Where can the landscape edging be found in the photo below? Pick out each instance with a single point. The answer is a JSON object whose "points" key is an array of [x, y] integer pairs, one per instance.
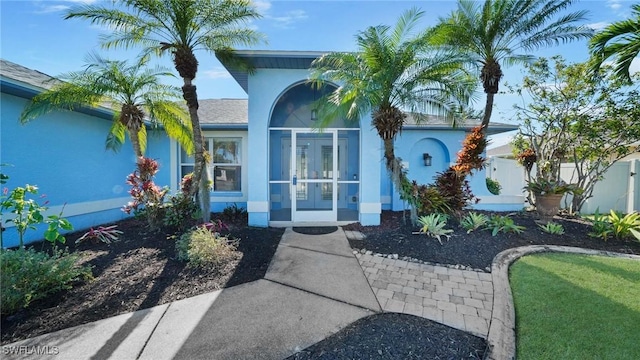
{"points": [[502, 330]]}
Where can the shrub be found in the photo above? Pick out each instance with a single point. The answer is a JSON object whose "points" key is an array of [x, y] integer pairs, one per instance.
{"points": [[28, 214], [233, 211], [493, 186], [28, 275], [453, 187], [105, 234], [552, 228], [474, 221], [498, 223], [427, 199], [600, 226], [201, 247], [434, 225], [625, 226], [180, 213], [148, 198]]}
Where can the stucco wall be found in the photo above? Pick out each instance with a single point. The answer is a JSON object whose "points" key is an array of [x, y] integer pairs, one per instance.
{"points": [[265, 87], [64, 154]]}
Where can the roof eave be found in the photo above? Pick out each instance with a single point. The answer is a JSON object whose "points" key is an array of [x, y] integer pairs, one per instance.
{"points": [[270, 59]]}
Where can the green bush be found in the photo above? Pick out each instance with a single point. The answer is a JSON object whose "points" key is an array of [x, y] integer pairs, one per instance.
{"points": [[28, 275], [493, 186], [202, 247], [180, 213]]}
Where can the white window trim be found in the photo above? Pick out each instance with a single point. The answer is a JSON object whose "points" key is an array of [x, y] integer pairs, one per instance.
{"points": [[226, 196]]}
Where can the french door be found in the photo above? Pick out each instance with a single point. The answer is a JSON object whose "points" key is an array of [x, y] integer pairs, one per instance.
{"points": [[314, 169]]}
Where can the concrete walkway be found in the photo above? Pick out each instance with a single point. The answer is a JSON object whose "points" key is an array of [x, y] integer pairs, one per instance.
{"points": [[313, 288]]}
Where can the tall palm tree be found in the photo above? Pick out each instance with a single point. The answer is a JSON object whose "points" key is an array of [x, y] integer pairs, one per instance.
{"points": [[133, 90], [178, 27], [394, 70], [620, 39], [495, 32]]}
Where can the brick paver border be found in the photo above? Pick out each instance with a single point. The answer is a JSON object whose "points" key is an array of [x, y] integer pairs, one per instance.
{"points": [[502, 335]]}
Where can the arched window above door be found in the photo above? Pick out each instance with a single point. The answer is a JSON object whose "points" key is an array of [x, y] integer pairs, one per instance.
{"points": [[295, 108]]}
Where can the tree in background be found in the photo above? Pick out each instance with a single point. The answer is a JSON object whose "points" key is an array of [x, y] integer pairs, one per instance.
{"points": [[575, 118], [495, 33], [133, 90], [394, 70], [620, 40], [179, 27]]}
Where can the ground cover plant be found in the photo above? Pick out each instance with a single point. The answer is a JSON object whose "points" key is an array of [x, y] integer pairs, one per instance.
{"points": [[141, 270], [576, 307]]}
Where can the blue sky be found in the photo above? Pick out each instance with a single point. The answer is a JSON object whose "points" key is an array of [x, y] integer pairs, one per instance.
{"points": [[34, 34]]}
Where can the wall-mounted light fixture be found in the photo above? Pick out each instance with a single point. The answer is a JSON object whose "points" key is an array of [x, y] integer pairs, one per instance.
{"points": [[427, 159], [314, 115]]}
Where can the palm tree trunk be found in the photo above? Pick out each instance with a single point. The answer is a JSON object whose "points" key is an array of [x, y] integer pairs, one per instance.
{"points": [[488, 109], [135, 142], [190, 95]]}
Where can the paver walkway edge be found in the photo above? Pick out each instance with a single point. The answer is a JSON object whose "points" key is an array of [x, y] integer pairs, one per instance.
{"points": [[502, 331]]}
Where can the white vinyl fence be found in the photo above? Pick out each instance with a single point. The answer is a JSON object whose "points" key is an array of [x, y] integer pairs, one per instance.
{"points": [[618, 190]]}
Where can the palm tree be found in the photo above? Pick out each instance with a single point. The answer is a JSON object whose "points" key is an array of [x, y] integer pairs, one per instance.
{"points": [[620, 39], [132, 89], [495, 32], [180, 27], [393, 71]]}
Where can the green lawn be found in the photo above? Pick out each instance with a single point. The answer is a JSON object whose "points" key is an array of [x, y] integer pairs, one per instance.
{"points": [[576, 307]]}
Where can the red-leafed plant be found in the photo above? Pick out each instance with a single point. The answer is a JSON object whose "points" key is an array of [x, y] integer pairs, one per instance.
{"points": [[148, 198], [452, 185], [216, 226], [105, 234]]}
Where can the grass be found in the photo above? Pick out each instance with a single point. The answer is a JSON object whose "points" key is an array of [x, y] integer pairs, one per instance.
{"points": [[576, 307]]}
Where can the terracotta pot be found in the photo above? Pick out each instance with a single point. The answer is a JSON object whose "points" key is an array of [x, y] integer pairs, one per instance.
{"points": [[548, 205]]}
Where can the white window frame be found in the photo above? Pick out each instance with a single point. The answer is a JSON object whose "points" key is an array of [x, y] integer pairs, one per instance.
{"points": [[222, 196]]}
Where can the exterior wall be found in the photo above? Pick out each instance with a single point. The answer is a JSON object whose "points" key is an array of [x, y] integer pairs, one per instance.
{"points": [[442, 145], [265, 87], [63, 154]]}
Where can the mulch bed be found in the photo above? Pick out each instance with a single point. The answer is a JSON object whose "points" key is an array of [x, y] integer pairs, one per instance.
{"points": [[477, 249], [142, 271]]}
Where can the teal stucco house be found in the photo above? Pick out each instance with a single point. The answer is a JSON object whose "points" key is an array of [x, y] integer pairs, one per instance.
{"points": [[266, 154]]}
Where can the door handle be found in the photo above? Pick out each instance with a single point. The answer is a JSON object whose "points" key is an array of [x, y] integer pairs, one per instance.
{"points": [[295, 180]]}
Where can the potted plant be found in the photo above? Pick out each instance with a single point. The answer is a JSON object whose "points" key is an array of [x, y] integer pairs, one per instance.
{"points": [[548, 194]]}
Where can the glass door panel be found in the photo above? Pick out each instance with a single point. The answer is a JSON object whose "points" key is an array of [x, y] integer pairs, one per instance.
{"points": [[314, 178]]}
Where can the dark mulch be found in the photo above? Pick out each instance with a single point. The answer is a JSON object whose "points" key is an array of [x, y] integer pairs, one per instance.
{"points": [[477, 249], [140, 271], [396, 336]]}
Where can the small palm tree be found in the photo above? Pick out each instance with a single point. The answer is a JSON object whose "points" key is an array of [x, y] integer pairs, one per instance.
{"points": [[620, 39], [179, 27], [134, 91], [495, 32], [393, 71]]}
